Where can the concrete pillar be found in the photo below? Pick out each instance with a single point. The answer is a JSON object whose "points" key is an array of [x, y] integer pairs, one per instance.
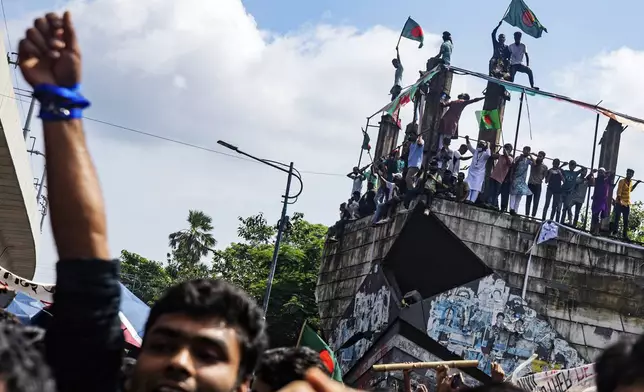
{"points": [[494, 99], [608, 156], [441, 83], [387, 136]]}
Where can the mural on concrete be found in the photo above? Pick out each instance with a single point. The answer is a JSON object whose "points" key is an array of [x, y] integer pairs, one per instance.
{"points": [[484, 321], [367, 315]]}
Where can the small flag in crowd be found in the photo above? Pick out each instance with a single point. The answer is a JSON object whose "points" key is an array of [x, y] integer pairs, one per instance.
{"points": [[310, 339], [490, 119], [519, 15], [413, 31]]}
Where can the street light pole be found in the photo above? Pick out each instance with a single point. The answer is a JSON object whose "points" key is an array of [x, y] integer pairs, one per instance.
{"points": [[282, 222], [278, 240]]}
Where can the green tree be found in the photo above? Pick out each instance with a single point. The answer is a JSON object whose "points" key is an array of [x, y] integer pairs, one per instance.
{"points": [[247, 263], [190, 245], [147, 279]]}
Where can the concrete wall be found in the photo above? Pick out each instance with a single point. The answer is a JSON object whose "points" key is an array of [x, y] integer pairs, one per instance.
{"points": [[19, 218], [588, 290]]}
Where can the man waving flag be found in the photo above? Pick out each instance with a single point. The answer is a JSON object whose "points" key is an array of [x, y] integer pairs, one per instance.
{"points": [[412, 31], [519, 15]]}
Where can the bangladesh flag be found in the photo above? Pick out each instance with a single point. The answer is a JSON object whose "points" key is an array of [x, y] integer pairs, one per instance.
{"points": [[365, 141], [519, 15], [413, 31], [310, 339], [490, 119]]}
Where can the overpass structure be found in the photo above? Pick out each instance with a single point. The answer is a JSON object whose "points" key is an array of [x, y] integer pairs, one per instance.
{"points": [[19, 216], [465, 282]]}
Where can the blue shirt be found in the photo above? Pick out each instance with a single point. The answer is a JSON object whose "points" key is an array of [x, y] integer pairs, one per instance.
{"points": [[415, 155], [570, 180], [446, 51]]}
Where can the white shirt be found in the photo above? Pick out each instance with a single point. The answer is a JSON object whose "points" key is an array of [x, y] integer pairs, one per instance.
{"points": [[398, 76], [357, 184], [517, 52]]}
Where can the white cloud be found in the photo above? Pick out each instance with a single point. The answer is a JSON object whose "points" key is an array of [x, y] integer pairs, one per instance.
{"points": [[202, 71]]}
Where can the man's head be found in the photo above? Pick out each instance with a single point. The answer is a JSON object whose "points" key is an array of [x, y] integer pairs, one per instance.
{"points": [[572, 164], [526, 151], [462, 149], [433, 166], [461, 177], [541, 156], [280, 366], [447, 141], [202, 335], [356, 170], [447, 36], [343, 206], [619, 368], [464, 96], [601, 172], [356, 195], [517, 37], [502, 39], [507, 149], [369, 186], [630, 173], [481, 145], [447, 175], [396, 63], [584, 172], [555, 163], [499, 319]]}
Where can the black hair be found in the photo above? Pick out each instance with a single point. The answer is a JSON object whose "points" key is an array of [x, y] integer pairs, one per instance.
{"points": [[500, 314], [620, 365], [215, 298], [518, 34], [22, 363], [8, 318], [280, 366], [494, 387]]}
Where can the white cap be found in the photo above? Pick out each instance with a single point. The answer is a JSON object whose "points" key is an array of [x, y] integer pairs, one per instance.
{"points": [[601, 169], [397, 175]]}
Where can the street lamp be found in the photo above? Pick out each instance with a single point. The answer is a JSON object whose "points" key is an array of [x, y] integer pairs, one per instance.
{"points": [[280, 229]]}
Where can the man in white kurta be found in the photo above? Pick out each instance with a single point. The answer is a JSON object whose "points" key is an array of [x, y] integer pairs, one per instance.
{"points": [[476, 172]]}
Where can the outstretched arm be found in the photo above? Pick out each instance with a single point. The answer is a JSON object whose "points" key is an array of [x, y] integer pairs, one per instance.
{"points": [[86, 302], [475, 100], [494, 40]]}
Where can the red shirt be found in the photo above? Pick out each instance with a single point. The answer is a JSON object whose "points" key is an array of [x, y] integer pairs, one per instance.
{"points": [[501, 169]]}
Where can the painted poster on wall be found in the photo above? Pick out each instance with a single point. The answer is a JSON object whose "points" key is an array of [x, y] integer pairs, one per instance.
{"points": [[484, 321]]}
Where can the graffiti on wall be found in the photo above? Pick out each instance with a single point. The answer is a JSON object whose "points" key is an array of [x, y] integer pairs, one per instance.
{"points": [[367, 315], [485, 321]]}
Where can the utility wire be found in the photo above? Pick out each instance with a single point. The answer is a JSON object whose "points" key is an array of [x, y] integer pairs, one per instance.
{"points": [[176, 141]]}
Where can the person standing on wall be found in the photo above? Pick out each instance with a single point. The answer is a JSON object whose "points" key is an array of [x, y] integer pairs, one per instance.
{"points": [[538, 172], [623, 202], [397, 88], [517, 51]]}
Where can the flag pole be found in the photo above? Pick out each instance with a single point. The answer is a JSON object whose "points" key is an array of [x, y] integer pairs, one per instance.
{"points": [[403, 29], [506, 11], [516, 134], [299, 338]]}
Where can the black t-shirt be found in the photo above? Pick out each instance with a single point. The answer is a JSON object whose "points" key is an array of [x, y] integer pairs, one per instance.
{"points": [[555, 179]]}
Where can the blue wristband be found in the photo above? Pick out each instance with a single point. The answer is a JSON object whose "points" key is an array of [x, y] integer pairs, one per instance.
{"points": [[60, 103]]}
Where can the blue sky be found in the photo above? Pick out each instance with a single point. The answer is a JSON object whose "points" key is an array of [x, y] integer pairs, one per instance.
{"points": [[203, 58], [577, 28]]}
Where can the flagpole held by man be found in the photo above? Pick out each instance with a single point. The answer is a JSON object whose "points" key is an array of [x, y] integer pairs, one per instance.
{"points": [[412, 30]]}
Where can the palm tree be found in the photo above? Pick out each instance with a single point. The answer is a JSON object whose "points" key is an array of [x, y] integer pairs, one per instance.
{"points": [[191, 244]]}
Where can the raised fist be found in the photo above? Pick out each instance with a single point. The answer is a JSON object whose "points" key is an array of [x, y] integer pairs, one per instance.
{"points": [[49, 53]]}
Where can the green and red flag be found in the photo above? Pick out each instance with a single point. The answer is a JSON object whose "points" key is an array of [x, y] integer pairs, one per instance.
{"points": [[413, 31], [365, 141], [490, 119], [519, 15], [309, 338]]}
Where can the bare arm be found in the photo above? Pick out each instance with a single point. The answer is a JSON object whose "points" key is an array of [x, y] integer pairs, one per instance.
{"points": [[527, 59], [475, 100], [77, 209], [467, 158]]}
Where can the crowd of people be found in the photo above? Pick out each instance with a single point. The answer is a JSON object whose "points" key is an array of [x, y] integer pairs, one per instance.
{"points": [[203, 334], [401, 178]]}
